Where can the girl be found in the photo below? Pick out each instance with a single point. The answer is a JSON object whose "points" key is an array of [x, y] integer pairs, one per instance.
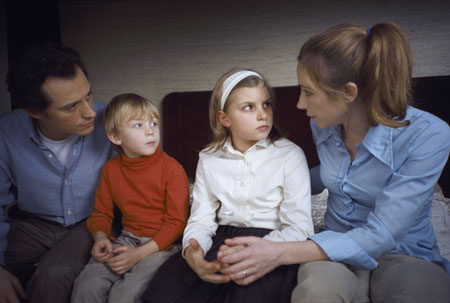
{"points": [[249, 181], [380, 160]]}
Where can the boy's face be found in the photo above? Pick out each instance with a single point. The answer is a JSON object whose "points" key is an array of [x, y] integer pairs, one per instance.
{"points": [[138, 137]]}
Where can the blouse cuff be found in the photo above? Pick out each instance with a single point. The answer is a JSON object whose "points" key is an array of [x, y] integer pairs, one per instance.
{"points": [[341, 248], [204, 242]]}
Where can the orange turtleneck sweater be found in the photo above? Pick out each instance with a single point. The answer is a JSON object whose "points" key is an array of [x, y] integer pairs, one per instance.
{"points": [[152, 193]]}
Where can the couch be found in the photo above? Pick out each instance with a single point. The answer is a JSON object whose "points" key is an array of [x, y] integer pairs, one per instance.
{"points": [[185, 131]]}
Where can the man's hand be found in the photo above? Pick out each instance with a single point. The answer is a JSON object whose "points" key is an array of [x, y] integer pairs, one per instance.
{"points": [[10, 287], [207, 271]]}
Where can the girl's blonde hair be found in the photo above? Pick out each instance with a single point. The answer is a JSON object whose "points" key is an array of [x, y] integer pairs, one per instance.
{"points": [[125, 107], [377, 59], [221, 133]]}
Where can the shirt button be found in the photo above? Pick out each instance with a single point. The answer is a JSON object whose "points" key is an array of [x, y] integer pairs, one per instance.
{"points": [[66, 182], [69, 212], [50, 155]]}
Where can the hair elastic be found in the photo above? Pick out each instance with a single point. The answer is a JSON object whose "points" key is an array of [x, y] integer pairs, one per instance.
{"points": [[232, 81], [368, 30]]}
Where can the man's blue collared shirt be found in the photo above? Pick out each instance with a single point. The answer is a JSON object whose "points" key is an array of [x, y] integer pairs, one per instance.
{"points": [[381, 202], [32, 176]]}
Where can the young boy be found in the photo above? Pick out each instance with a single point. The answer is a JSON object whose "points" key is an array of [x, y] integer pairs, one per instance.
{"points": [[150, 189]]}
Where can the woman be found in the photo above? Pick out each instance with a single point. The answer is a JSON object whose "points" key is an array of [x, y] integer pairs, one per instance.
{"points": [[380, 160]]}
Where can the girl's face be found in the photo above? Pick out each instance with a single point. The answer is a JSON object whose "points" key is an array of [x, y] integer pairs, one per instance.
{"points": [[249, 116], [322, 108]]}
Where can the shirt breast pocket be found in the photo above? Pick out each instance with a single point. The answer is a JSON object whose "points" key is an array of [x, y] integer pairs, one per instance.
{"points": [[84, 184]]}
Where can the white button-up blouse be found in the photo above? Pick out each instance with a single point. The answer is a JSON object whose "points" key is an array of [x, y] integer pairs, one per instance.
{"points": [[268, 186]]}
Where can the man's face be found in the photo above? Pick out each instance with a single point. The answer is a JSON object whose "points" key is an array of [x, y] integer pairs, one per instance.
{"points": [[71, 110]]}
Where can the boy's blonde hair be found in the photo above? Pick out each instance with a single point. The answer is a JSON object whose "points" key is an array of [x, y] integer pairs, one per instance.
{"points": [[125, 107], [377, 59], [220, 133]]}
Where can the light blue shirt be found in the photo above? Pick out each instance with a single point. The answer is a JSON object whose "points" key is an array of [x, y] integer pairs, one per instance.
{"points": [[33, 177], [381, 203]]}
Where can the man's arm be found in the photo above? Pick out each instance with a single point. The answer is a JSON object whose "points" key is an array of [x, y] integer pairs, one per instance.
{"points": [[10, 286]]}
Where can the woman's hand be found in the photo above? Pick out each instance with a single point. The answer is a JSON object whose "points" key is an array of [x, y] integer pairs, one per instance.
{"points": [[125, 258], [207, 271], [102, 248], [249, 258]]}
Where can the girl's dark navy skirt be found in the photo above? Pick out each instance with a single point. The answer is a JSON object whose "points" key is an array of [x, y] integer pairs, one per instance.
{"points": [[176, 282]]}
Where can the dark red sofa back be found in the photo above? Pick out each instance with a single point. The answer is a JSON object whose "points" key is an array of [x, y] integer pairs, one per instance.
{"points": [[186, 128]]}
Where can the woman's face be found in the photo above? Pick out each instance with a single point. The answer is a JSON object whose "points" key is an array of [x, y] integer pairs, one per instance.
{"points": [[319, 106]]}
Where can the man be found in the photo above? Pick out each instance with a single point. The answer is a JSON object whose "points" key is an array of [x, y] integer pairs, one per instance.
{"points": [[51, 153]]}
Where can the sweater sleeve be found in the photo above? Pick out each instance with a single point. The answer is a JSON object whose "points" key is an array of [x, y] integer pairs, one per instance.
{"points": [[103, 213], [177, 201]]}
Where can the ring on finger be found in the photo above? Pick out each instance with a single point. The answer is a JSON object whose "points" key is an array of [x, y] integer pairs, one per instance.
{"points": [[245, 274]]}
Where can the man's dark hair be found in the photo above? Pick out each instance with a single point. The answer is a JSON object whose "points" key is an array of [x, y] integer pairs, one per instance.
{"points": [[29, 70]]}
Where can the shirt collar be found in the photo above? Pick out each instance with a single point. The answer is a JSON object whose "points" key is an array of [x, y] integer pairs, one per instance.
{"points": [[328, 132], [377, 141], [35, 134], [32, 129], [261, 144]]}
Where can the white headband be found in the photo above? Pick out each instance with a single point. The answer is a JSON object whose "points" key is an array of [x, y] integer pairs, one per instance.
{"points": [[232, 81]]}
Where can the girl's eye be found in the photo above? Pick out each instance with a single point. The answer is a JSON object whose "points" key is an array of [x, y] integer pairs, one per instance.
{"points": [[247, 107], [267, 104], [137, 125], [153, 124]]}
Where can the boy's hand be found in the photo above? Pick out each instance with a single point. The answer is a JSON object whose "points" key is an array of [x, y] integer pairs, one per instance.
{"points": [[207, 271], [102, 249], [125, 258]]}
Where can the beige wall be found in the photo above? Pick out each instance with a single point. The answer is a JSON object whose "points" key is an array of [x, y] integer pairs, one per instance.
{"points": [[157, 47]]}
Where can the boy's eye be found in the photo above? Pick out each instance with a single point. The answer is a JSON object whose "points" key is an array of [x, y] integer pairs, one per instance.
{"points": [[137, 125], [247, 107], [153, 124], [306, 92], [267, 104]]}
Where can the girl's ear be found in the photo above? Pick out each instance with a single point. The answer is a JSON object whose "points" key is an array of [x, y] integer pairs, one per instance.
{"points": [[350, 91], [223, 118], [114, 138]]}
